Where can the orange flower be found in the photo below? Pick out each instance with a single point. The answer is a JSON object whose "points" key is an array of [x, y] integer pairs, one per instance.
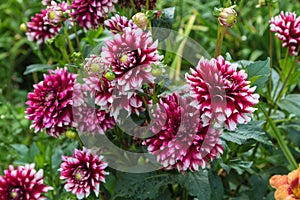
{"points": [[287, 186]]}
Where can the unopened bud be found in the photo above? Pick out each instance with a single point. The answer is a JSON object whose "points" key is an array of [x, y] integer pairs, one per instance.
{"points": [[71, 134], [23, 27], [227, 17], [140, 20], [110, 75]]}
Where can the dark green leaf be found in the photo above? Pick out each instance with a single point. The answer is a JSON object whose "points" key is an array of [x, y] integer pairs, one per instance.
{"points": [[36, 68], [291, 103], [216, 186], [259, 72], [196, 184], [246, 132]]}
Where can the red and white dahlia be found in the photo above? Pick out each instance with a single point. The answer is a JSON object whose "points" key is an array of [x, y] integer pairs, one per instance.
{"points": [[39, 30], [55, 13], [89, 119], [50, 104], [223, 93], [131, 54], [84, 171], [102, 90], [287, 28], [180, 141], [118, 23], [23, 183], [90, 14], [95, 66]]}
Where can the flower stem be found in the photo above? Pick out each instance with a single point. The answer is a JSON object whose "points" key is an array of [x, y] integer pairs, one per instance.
{"points": [[220, 36], [286, 151], [68, 39]]}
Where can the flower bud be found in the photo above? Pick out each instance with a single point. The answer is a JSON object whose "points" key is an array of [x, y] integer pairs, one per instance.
{"points": [[71, 134], [227, 17], [140, 20], [23, 27], [110, 75]]}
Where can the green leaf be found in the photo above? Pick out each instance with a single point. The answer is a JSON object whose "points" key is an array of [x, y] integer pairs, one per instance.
{"points": [[258, 73], [291, 103], [36, 67], [196, 184], [216, 185], [20, 148], [245, 132]]}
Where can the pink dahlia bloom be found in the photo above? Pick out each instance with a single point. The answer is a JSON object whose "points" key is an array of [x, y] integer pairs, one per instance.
{"points": [[124, 105], [223, 93], [50, 104], [83, 172], [87, 118], [117, 24], [55, 13], [95, 66], [287, 28], [23, 183], [39, 30], [102, 90], [130, 55], [90, 14], [180, 141]]}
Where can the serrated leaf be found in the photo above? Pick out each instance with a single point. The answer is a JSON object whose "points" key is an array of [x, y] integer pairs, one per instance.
{"points": [[36, 68], [259, 72], [291, 103], [246, 132], [196, 184]]}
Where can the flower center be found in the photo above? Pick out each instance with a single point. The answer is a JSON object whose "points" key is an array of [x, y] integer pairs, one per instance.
{"points": [[124, 58], [95, 68], [15, 194], [52, 15], [81, 174], [49, 96]]}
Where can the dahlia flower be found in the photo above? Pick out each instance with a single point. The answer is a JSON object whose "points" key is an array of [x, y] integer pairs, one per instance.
{"points": [[90, 14], [133, 104], [102, 90], [223, 93], [23, 183], [87, 118], [138, 4], [287, 186], [131, 53], [117, 24], [39, 30], [287, 28], [179, 139], [50, 104], [55, 13], [83, 172], [95, 66]]}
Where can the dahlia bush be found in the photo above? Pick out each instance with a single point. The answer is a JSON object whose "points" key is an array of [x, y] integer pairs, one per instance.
{"points": [[133, 100]]}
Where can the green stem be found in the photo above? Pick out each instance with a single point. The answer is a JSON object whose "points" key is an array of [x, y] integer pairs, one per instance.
{"points": [[76, 35], [68, 40], [81, 145], [220, 36], [270, 53], [283, 69], [285, 83], [286, 151], [65, 54]]}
